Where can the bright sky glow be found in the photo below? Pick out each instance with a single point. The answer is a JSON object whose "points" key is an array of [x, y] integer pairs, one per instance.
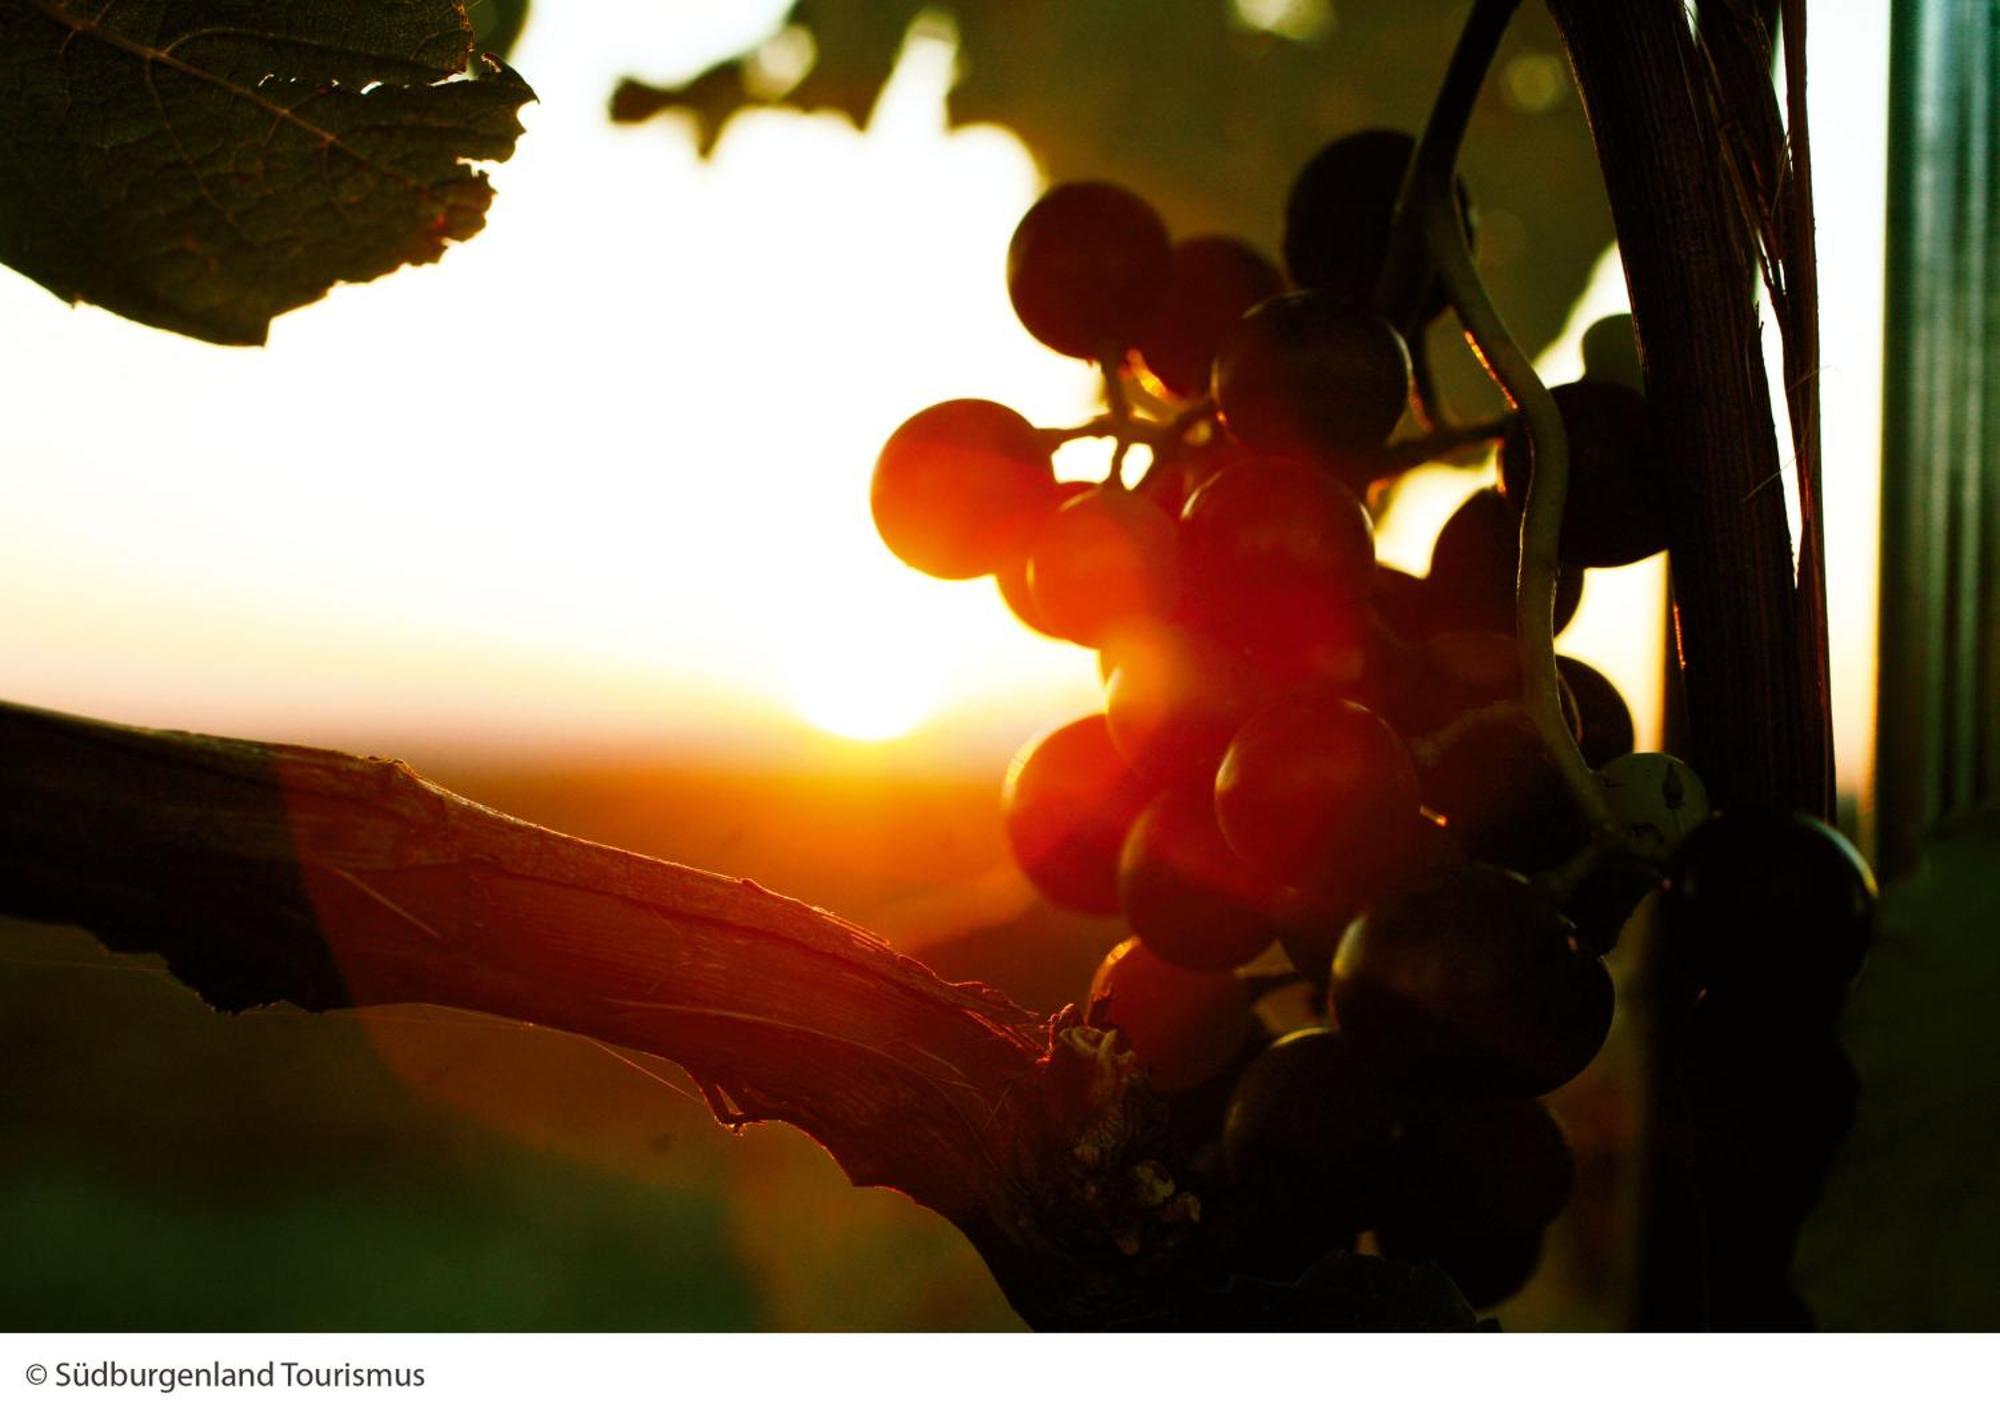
{"points": [[599, 478]]}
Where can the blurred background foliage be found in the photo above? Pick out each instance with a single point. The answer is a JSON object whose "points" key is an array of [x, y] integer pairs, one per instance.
{"points": [[1210, 107]]}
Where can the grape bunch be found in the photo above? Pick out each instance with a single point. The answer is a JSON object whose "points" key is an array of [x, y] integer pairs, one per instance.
{"points": [[1311, 770]]}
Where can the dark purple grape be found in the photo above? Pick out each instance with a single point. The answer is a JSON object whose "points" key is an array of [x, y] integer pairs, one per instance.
{"points": [[1340, 212], [1088, 267], [959, 488], [1068, 803], [1475, 1168], [1216, 279], [1615, 511], [1304, 375], [1310, 924], [1187, 895], [1469, 983], [1307, 1139], [1502, 797], [1769, 903], [1475, 567], [1604, 722]]}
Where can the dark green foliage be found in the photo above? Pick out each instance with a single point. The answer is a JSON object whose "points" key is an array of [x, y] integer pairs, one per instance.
{"points": [[1213, 120], [203, 167]]}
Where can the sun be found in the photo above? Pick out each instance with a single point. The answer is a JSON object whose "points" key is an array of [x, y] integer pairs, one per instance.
{"points": [[865, 690]]}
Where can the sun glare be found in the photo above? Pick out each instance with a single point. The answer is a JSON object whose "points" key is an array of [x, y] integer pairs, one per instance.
{"points": [[599, 476]]}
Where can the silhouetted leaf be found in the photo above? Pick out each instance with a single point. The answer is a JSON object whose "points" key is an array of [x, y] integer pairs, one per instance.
{"points": [[203, 165], [1211, 119], [1908, 1234]]}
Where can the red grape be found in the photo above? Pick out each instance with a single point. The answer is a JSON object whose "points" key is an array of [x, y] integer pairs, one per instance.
{"points": [[1012, 577], [1273, 551], [1068, 802], [1174, 697], [1105, 560], [1318, 793], [1185, 1026], [1186, 893], [958, 488]]}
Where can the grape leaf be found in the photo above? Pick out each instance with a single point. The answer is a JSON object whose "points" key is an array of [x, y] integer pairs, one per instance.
{"points": [[1908, 1234], [1211, 119], [204, 165]]}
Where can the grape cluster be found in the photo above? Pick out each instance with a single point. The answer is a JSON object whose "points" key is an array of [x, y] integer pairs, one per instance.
{"points": [[1306, 760]]}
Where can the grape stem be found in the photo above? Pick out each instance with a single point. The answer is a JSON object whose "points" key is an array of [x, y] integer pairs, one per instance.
{"points": [[1541, 523], [1428, 183], [1427, 223]]}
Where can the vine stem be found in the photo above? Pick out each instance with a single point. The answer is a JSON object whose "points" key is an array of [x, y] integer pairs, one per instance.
{"points": [[1428, 183], [1427, 223]]}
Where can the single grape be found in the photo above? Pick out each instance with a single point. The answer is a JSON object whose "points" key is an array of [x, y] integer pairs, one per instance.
{"points": [[1318, 793], [1767, 902], [1656, 799], [1615, 509], [1310, 924], [1104, 561], [1306, 375], [1604, 722], [958, 488], [1215, 280], [1087, 268], [1184, 1026], [1186, 893], [1469, 1169], [1611, 352], [1469, 982], [1275, 553], [1012, 577], [1068, 802], [1475, 567], [1306, 1140], [1340, 212], [1502, 796], [1174, 698]]}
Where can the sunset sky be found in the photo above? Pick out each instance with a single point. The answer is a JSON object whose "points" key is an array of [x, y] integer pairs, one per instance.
{"points": [[598, 481]]}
